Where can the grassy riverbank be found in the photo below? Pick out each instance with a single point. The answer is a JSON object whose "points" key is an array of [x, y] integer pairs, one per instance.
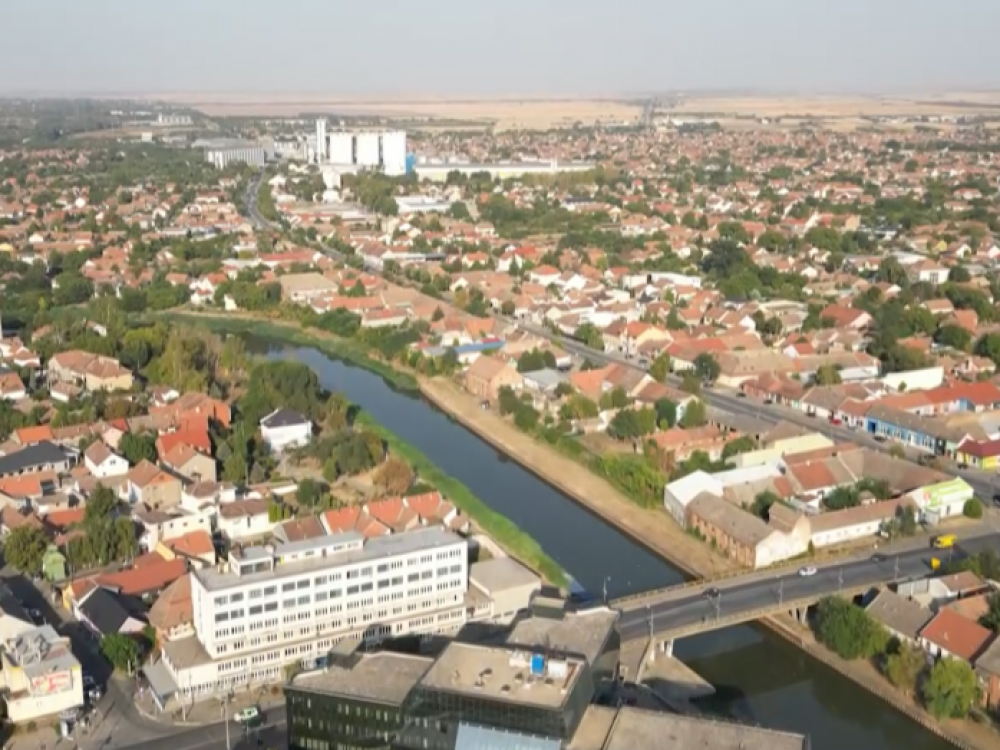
{"points": [[512, 539], [505, 532]]}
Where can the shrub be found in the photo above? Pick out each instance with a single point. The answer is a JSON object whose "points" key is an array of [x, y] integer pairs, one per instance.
{"points": [[973, 508]]}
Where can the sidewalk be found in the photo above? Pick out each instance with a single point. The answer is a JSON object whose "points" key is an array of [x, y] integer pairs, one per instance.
{"points": [[207, 712]]}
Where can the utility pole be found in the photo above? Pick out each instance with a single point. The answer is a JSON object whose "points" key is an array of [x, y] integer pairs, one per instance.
{"points": [[895, 570], [840, 579], [225, 717], [781, 591], [605, 588], [717, 602]]}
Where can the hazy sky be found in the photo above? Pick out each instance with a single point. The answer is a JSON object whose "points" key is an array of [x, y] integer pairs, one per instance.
{"points": [[469, 47]]}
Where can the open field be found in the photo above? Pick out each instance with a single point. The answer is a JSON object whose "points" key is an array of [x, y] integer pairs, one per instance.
{"points": [[845, 112], [505, 113]]}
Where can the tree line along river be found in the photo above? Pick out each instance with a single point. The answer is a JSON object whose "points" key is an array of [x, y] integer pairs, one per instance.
{"points": [[759, 677]]}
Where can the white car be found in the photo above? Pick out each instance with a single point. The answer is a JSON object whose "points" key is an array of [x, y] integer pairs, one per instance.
{"points": [[248, 715], [807, 571]]}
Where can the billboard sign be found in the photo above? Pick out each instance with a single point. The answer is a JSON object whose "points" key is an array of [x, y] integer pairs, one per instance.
{"points": [[951, 492], [52, 683]]}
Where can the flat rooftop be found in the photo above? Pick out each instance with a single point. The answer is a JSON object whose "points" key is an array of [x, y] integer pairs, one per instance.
{"points": [[308, 555], [583, 633], [639, 728], [502, 674], [384, 677]]}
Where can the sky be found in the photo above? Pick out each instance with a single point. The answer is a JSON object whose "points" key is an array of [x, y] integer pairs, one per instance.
{"points": [[485, 48]]}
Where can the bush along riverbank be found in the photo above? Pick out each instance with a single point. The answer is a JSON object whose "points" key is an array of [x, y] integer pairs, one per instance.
{"points": [[291, 332], [514, 541]]}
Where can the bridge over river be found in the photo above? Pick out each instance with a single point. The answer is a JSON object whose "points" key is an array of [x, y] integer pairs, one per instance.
{"points": [[703, 606]]}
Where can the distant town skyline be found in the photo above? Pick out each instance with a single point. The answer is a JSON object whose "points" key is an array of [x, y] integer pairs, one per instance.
{"points": [[395, 48]]}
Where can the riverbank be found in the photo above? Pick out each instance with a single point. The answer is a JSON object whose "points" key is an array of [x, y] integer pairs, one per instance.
{"points": [[291, 332], [657, 532], [514, 542]]}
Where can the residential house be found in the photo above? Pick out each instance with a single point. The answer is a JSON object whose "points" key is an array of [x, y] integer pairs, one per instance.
{"points": [[152, 486], [91, 371], [102, 462], [283, 429], [105, 613], [44, 456], [172, 615], [902, 617], [950, 634], [41, 677], [186, 462], [487, 375], [244, 520], [195, 547]]}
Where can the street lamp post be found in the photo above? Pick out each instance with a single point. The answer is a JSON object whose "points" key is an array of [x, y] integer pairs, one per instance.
{"points": [[605, 588], [225, 717]]}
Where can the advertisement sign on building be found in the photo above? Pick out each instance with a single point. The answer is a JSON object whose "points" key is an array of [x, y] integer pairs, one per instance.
{"points": [[52, 683]]}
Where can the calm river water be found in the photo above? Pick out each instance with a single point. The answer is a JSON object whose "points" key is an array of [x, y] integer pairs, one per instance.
{"points": [[759, 676]]}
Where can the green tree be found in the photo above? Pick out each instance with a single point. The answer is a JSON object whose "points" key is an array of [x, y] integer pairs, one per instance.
{"points": [[953, 336], [848, 630], [234, 468], [24, 547], [507, 400], [762, 503], [616, 398], [525, 417], [309, 493], [135, 447], [991, 619], [903, 667], [101, 504], [743, 444], [459, 211], [666, 412], [827, 375], [973, 508], [121, 651], [695, 414], [950, 689], [707, 367], [659, 368], [590, 336]]}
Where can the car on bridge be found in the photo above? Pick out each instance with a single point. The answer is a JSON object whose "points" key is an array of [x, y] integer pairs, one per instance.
{"points": [[712, 593], [807, 571]]}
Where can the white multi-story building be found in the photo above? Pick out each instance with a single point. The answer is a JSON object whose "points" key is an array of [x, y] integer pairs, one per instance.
{"points": [[282, 604], [222, 156], [369, 149]]}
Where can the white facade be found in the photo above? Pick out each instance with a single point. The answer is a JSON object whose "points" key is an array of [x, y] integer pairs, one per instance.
{"points": [[369, 150], [222, 157], [342, 148], [394, 153], [321, 142], [291, 603], [112, 466], [281, 438]]}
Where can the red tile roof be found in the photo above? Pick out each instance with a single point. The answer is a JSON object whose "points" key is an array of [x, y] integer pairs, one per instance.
{"points": [[957, 635]]}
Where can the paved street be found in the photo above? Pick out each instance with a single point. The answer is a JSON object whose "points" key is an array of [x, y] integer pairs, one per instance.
{"points": [[270, 736], [740, 596]]}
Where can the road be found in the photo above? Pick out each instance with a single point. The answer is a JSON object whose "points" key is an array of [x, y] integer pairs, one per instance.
{"points": [[270, 736], [985, 485], [741, 597], [258, 221], [116, 719]]}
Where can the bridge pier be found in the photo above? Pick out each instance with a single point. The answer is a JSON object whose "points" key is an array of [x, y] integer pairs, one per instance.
{"points": [[802, 615]]}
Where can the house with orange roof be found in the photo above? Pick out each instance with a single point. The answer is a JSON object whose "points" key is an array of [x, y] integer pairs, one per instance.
{"points": [[195, 547], [32, 435], [198, 439], [189, 463], [172, 615]]}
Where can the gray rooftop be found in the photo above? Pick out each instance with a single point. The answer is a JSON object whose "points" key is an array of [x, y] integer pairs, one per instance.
{"points": [[40, 651], [501, 574], [502, 674], [902, 615], [385, 677], [583, 633], [339, 549], [637, 728]]}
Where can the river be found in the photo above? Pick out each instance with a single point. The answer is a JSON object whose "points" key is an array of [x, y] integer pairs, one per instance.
{"points": [[760, 677]]}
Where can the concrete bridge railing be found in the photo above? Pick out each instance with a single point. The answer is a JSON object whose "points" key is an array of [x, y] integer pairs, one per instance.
{"points": [[799, 604]]}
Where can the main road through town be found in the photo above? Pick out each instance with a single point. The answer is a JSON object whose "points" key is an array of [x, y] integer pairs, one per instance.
{"points": [[698, 607]]}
